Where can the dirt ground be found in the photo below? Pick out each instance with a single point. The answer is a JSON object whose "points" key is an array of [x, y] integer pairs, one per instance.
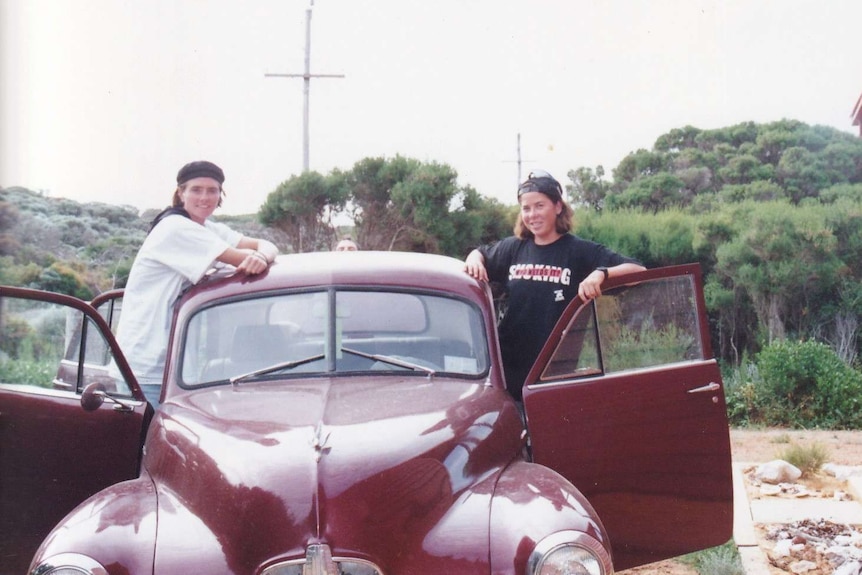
{"points": [[763, 445], [760, 446]]}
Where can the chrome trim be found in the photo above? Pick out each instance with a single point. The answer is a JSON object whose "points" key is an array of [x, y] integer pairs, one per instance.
{"points": [[711, 386], [318, 561], [569, 538], [319, 445], [85, 565]]}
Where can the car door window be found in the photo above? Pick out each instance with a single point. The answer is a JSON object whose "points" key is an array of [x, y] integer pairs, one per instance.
{"points": [[110, 309], [633, 327], [52, 346]]}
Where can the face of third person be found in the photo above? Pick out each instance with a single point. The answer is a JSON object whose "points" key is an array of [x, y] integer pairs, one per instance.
{"points": [[346, 246], [539, 214], [200, 197]]}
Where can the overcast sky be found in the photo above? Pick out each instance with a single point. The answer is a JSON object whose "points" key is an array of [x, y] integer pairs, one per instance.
{"points": [[104, 100]]}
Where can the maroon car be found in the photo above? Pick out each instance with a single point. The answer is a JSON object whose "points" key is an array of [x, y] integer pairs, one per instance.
{"points": [[345, 413]]}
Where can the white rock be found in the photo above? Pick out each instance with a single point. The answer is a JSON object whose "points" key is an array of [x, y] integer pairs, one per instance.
{"points": [[766, 489], [803, 566], [777, 471], [841, 471], [848, 568], [782, 548]]}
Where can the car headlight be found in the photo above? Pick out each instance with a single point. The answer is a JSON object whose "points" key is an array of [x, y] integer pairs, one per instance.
{"points": [[69, 564], [569, 553]]}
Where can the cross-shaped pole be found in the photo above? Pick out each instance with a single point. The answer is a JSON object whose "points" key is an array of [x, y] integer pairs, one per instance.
{"points": [[519, 161], [306, 76]]}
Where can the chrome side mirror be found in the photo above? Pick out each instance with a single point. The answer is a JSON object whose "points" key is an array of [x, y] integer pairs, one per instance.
{"points": [[95, 395]]}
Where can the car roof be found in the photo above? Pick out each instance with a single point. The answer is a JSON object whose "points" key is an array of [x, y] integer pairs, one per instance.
{"points": [[363, 268]]}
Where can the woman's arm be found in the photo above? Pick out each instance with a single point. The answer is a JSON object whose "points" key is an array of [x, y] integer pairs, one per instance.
{"points": [[264, 247], [474, 265], [591, 287], [251, 255]]}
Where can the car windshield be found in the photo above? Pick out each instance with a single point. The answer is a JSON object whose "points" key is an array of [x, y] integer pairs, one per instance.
{"points": [[334, 331]]}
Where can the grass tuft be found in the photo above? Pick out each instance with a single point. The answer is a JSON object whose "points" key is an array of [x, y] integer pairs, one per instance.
{"points": [[807, 458], [721, 560], [783, 438]]}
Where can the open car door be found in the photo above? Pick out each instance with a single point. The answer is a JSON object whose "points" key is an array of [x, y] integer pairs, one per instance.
{"points": [[53, 453], [626, 401]]}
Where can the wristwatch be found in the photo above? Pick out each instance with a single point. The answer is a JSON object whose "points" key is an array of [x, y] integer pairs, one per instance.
{"points": [[604, 270]]}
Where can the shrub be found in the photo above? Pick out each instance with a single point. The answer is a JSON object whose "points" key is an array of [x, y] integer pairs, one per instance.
{"points": [[721, 560], [805, 384], [35, 373]]}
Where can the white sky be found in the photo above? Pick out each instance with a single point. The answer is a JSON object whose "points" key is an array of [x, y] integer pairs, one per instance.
{"points": [[104, 100]]}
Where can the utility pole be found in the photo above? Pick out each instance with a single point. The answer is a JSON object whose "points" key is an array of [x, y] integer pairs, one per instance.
{"points": [[519, 161], [306, 76]]}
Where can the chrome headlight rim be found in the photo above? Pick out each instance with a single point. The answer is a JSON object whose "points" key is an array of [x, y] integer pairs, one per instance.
{"points": [[69, 564], [548, 546]]}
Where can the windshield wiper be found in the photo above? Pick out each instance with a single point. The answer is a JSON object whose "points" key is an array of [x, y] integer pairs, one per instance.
{"points": [[277, 367], [391, 361]]}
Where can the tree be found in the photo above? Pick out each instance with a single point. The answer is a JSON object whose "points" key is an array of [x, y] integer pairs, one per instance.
{"points": [[744, 169], [677, 139], [587, 187], [370, 185], [302, 208], [478, 220], [404, 204], [639, 164], [799, 174], [421, 203], [784, 259], [650, 194]]}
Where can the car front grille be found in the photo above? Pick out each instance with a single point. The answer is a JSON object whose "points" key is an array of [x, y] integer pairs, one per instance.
{"points": [[319, 561]]}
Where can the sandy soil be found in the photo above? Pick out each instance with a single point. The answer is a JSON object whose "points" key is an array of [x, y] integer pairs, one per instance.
{"points": [[762, 445]]}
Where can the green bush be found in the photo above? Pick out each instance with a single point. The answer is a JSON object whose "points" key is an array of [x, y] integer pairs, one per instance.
{"points": [[802, 385], [35, 373]]}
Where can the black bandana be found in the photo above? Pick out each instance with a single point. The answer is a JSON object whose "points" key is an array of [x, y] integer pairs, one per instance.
{"points": [[168, 212]]}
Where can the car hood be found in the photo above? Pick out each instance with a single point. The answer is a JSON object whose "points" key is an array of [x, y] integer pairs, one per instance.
{"points": [[260, 470]]}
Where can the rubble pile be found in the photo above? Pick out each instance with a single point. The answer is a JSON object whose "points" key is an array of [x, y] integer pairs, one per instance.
{"points": [[808, 546], [780, 479], [816, 548]]}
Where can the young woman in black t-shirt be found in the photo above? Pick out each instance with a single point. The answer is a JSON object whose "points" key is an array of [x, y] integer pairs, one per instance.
{"points": [[542, 268]]}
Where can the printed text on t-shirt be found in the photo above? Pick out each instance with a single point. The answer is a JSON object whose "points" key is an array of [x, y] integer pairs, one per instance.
{"points": [[540, 273]]}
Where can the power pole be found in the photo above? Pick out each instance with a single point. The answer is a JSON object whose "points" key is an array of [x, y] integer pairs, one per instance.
{"points": [[306, 76], [519, 160]]}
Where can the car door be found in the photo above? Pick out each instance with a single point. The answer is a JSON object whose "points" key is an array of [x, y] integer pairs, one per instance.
{"points": [[627, 402], [53, 453]]}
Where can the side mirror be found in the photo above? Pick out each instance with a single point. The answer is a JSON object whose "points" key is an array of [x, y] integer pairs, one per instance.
{"points": [[95, 395]]}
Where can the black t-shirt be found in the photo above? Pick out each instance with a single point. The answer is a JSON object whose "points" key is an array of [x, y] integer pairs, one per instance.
{"points": [[540, 282]]}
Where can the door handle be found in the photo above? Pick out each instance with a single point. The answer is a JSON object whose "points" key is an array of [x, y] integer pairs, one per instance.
{"points": [[711, 386]]}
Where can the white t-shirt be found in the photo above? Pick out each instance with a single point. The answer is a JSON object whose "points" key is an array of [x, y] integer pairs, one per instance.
{"points": [[176, 253]]}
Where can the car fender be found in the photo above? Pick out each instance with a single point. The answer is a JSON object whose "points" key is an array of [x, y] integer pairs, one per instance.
{"points": [[115, 527], [530, 503]]}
